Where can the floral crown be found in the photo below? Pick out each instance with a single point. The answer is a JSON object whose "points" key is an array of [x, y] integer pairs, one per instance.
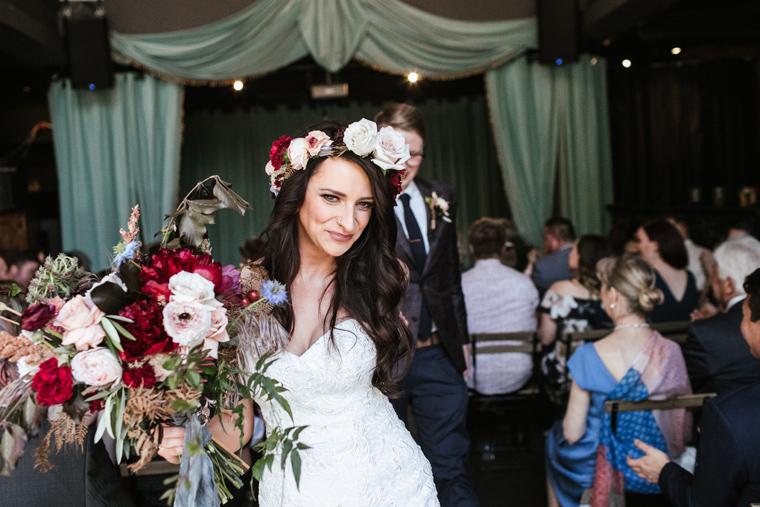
{"points": [[387, 148]]}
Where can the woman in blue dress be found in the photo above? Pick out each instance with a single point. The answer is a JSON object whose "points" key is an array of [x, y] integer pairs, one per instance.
{"points": [[629, 295]]}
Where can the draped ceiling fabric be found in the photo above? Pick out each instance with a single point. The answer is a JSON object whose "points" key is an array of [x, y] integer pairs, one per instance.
{"points": [[271, 34], [114, 149]]}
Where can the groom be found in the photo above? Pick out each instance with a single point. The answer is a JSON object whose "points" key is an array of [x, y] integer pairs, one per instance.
{"points": [[434, 307]]}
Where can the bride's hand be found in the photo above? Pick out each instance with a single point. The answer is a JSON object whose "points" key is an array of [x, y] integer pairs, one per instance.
{"points": [[170, 448]]}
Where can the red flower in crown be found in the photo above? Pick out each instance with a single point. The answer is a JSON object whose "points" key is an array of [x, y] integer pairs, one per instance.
{"points": [[279, 148], [395, 178]]}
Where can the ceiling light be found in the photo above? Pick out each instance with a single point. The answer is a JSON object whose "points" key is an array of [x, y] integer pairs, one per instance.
{"points": [[413, 77], [238, 85]]}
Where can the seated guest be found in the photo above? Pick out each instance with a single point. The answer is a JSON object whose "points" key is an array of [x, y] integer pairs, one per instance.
{"points": [[717, 356], [633, 362], [661, 246], [743, 232], [728, 468], [498, 299], [694, 252], [573, 305], [21, 268], [517, 253], [559, 236]]}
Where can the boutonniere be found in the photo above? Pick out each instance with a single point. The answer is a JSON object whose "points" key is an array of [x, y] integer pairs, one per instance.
{"points": [[439, 208]]}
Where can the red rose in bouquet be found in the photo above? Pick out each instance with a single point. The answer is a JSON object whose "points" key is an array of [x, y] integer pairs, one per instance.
{"points": [[148, 329], [211, 272], [164, 264], [53, 384], [139, 376], [36, 316]]}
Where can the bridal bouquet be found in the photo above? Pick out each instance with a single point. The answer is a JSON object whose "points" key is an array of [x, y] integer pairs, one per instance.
{"points": [[151, 343]]}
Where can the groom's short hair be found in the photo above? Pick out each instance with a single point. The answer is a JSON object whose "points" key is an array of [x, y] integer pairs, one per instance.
{"points": [[402, 117]]}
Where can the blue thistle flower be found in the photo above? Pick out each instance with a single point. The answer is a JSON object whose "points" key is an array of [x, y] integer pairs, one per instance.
{"points": [[128, 252], [274, 292]]}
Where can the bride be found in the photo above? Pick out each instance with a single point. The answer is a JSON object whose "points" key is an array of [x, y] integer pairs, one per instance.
{"points": [[331, 241]]}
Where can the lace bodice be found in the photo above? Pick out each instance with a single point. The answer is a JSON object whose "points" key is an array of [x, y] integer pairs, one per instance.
{"points": [[361, 454]]}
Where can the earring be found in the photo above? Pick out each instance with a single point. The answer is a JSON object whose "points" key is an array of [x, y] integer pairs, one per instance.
{"points": [[612, 305]]}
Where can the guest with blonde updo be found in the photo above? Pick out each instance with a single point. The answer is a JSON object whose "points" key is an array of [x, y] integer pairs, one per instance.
{"points": [[632, 363]]}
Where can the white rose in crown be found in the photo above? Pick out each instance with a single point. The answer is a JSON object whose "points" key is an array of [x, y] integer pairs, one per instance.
{"points": [[269, 168], [391, 150], [192, 288], [96, 367], [360, 137], [298, 153]]}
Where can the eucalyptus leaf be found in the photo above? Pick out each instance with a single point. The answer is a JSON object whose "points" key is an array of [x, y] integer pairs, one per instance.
{"points": [[123, 332]]}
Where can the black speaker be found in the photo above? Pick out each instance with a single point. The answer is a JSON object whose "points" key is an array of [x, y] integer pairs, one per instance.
{"points": [[88, 46], [558, 31]]}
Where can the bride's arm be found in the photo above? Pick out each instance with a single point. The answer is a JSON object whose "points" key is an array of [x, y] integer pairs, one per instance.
{"points": [[224, 431]]}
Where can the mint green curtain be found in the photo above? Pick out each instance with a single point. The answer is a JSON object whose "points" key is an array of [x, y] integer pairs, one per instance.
{"points": [[585, 158], [114, 149], [552, 123], [270, 34], [459, 150]]}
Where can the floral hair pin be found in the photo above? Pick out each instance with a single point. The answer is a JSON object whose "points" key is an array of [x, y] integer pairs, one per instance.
{"points": [[387, 148]]}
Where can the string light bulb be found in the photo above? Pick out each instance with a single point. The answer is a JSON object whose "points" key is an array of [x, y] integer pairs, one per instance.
{"points": [[413, 77], [626, 63], [676, 51], [238, 85]]}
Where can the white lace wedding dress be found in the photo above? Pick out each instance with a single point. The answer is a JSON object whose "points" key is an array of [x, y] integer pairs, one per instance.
{"points": [[361, 454]]}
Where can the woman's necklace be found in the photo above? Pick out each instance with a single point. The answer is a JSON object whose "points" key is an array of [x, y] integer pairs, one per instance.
{"points": [[637, 324]]}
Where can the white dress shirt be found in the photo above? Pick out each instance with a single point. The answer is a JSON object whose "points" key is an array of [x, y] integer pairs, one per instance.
{"points": [[499, 299], [417, 204]]}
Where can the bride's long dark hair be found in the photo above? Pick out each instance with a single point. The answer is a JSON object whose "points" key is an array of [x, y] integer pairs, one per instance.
{"points": [[369, 281]]}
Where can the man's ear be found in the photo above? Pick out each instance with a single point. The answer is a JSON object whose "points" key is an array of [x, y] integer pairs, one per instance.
{"points": [[729, 286], [472, 250]]}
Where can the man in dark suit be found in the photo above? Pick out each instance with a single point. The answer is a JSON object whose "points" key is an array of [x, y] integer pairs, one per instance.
{"points": [[434, 306], [728, 469], [559, 236], [717, 357]]}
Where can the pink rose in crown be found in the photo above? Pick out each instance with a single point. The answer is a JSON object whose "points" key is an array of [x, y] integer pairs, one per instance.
{"points": [[316, 139]]}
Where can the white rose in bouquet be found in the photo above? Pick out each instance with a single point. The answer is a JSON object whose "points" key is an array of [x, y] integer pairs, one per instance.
{"points": [[188, 324], [96, 367], [192, 287]]}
